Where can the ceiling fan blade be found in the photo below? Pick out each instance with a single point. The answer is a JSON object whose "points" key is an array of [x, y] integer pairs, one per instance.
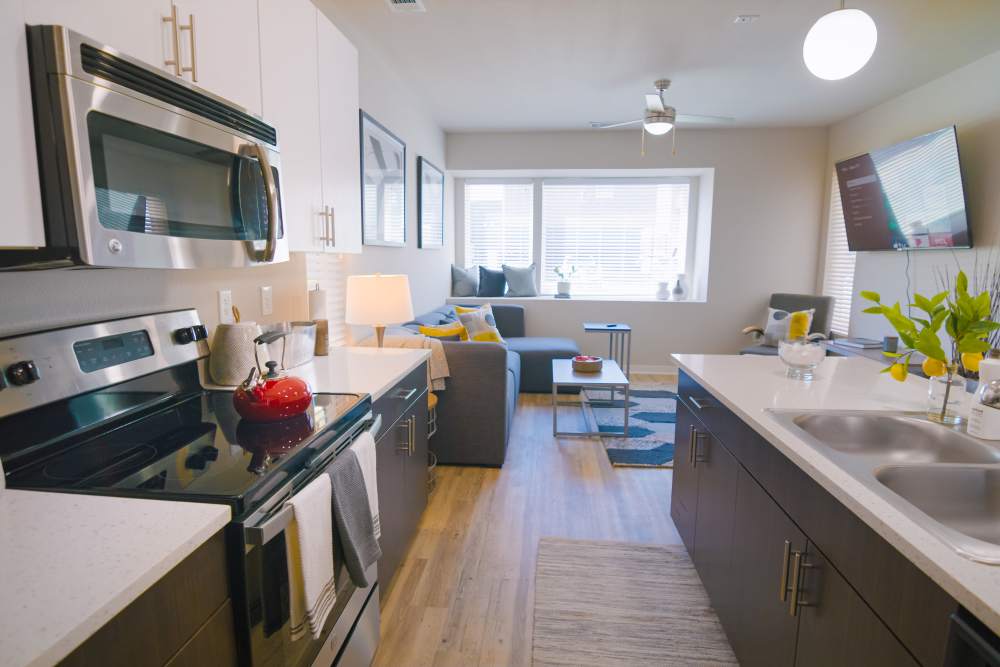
{"points": [[604, 126], [694, 119], [654, 103]]}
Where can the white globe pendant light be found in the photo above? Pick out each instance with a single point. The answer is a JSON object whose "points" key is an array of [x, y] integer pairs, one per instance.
{"points": [[839, 44]]}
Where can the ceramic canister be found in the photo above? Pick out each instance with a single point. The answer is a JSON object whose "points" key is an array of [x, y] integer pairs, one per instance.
{"points": [[233, 352]]}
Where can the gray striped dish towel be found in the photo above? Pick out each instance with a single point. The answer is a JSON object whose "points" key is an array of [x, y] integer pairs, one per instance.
{"points": [[352, 517], [309, 545]]}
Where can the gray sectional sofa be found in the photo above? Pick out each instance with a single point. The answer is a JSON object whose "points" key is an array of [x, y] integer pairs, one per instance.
{"points": [[476, 409]]}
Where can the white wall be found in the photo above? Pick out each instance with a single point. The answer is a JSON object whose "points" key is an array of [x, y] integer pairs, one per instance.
{"points": [[765, 229], [390, 99], [969, 97]]}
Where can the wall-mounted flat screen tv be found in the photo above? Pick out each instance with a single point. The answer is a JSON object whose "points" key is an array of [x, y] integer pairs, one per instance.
{"points": [[908, 196]]}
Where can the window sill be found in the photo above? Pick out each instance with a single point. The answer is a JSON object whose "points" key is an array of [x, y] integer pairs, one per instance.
{"points": [[476, 300]]}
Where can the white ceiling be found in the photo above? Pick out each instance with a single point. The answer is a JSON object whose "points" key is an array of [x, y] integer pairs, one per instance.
{"points": [[557, 64]]}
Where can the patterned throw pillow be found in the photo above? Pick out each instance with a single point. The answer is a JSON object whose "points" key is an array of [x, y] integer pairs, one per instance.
{"points": [[453, 331], [480, 324], [778, 322]]}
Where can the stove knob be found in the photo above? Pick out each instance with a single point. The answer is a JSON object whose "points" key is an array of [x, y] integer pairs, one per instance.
{"points": [[22, 373], [184, 336], [195, 462], [209, 453], [200, 332]]}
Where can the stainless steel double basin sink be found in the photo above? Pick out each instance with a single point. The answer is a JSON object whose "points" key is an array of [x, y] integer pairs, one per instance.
{"points": [[939, 476]]}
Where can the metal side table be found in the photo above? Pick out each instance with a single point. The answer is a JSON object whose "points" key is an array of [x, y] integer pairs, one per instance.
{"points": [[610, 377], [619, 342]]}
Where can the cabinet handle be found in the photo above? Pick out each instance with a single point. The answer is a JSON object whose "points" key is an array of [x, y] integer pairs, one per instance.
{"points": [[701, 403], [785, 558], [175, 40], [404, 394], [333, 226], [691, 444], [413, 435], [194, 56], [795, 601], [406, 446], [698, 435]]}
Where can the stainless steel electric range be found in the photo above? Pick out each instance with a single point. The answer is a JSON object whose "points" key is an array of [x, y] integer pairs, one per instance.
{"points": [[116, 408]]}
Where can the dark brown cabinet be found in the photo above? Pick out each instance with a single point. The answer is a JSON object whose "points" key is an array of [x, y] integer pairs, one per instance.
{"points": [[401, 446], [747, 516]]}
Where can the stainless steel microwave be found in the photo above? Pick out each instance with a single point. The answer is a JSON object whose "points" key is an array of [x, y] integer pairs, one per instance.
{"points": [[141, 169]]}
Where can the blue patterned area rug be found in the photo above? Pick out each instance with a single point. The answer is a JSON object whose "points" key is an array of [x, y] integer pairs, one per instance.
{"points": [[652, 415]]}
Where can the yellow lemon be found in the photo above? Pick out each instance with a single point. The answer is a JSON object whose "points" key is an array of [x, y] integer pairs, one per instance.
{"points": [[798, 325], [971, 361], [933, 367], [898, 372]]}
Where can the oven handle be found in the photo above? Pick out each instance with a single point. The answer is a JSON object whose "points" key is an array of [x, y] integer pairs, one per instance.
{"points": [[266, 531], [260, 152]]}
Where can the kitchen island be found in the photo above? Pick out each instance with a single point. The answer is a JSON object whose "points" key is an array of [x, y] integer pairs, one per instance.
{"points": [[741, 454]]}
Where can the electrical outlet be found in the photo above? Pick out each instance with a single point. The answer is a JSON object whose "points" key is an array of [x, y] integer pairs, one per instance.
{"points": [[266, 300], [226, 307]]}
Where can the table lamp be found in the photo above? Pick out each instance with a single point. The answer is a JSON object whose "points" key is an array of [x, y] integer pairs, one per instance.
{"points": [[377, 301]]}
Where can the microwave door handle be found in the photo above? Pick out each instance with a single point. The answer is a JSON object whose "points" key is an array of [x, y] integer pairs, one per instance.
{"points": [[260, 152]]}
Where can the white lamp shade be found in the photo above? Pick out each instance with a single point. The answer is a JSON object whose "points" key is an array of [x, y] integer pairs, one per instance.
{"points": [[839, 44], [378, 300], [658, 127]]}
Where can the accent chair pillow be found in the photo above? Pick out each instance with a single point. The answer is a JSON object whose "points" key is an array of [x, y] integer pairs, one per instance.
{"points": [[464, 282], [520, 280], [455, 331], [486, 309], [779, 321], [491, 283], [479, 328]]}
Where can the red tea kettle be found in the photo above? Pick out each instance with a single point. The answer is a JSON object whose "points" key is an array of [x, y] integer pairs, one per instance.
{"points": [[271, 396]]}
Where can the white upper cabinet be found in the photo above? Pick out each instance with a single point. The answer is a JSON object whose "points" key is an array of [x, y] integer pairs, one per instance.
{"points": [[133, 27], [220, 48], [291, 103], [339, 108], [21, 224]]}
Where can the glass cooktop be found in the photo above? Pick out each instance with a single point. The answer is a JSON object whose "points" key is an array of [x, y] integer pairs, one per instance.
{"points": [[194, 449]]}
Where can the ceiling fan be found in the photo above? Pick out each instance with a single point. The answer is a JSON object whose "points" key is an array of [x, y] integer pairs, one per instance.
{"points": [[659, 117]]}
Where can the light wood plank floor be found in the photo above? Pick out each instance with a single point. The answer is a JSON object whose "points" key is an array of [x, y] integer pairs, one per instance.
{"points": [[465, 591]]}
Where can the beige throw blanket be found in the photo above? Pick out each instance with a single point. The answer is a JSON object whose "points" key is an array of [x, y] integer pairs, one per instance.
{"points": [[437, 366]]}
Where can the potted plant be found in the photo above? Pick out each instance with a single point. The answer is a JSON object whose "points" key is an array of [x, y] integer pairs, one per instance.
{"points": [[565, 272], [966, 319]]}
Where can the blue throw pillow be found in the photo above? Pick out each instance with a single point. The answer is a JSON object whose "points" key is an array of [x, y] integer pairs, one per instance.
{"points": [[464, 282], [491, 283], [520, 280]]}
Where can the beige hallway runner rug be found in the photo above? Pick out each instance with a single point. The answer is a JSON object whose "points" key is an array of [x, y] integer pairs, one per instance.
{"points": [[617, 603]]}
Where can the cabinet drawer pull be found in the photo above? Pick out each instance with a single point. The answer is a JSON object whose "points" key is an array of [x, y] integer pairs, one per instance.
{"points": [[701, 403], [785, 558], [404, 394]]}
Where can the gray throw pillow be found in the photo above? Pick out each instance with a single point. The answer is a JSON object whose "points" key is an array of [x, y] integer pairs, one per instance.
{"points": [[520, 280], [491, 283], [464, 282]]}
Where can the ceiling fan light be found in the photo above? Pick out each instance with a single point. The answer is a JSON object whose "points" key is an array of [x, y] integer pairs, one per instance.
{"points": [[658, 127], [839, 44]]}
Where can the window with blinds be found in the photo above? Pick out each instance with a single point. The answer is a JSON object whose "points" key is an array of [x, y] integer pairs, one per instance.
{"points": [[622, 235], [498, 223], [838, 271]]}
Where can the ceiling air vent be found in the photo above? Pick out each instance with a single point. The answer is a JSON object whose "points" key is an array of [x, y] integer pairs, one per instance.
{"points": [[406, 6]]}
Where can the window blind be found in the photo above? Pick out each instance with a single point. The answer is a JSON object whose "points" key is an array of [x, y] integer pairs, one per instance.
{"points": [[498, 223], [838, 271], [623, 235]]}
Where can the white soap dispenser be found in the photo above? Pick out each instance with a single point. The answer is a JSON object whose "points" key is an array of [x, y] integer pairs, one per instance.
{"points": [[984, 415]]}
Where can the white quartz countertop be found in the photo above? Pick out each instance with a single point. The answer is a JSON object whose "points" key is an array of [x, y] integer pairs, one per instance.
{"points": [[358, 370], [750, 385], [70, 562]]}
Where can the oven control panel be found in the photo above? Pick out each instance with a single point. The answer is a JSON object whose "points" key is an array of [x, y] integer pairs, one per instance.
{"points": [[98, 353]]}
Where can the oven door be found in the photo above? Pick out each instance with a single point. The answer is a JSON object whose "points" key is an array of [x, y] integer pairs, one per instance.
{"points": [[155, 186]]}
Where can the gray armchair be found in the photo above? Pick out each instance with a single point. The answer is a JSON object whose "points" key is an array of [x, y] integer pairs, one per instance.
{"points": [[823, 306]]}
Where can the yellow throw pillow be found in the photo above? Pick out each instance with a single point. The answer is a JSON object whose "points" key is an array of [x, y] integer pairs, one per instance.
{"points": [[454, 330], [480, 325], [798, 324]]}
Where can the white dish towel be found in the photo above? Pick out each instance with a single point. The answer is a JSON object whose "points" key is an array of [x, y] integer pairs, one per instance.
{"points": [[309, 543], [364, 449]]}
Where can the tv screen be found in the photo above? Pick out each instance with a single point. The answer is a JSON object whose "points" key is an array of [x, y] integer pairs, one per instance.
{"points": [[906, 197]]}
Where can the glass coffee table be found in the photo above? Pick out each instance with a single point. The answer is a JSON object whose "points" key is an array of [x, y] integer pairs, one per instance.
{"points": [[610, 377]]}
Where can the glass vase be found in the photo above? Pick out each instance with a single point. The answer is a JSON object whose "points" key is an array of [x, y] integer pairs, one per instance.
{"points": [[945, 397]]}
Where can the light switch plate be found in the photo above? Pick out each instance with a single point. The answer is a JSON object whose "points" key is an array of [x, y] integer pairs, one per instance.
{"points": [[266, 300], [225, 306]]}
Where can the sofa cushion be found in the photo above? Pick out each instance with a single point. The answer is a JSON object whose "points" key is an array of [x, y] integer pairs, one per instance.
{"points": [[536, 359]]}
